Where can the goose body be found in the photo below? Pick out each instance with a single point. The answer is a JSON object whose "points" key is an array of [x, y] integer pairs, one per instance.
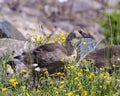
{"points": [[49, 56], [108, 57]]}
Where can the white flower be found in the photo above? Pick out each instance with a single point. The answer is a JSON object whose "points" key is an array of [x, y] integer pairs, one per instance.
{"points": [[35, 65], [38, 69], [118, 59]]}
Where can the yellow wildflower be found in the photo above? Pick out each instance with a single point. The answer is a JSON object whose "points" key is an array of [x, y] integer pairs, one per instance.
{"points": [[87, 70], [23, 71], [51, 82], [101, 75], [107, 77], [12, 80], [96, 72], [92, 93], [4, 89], [56, 92], [60, 74], [34, 36], [46, 72], [62, 82], [47, 35], [70, 94], [33, 28], [62, 37], [27, 94], [61, 87], [108, 82], [80, 72], [41, 37], [56, 39], [62, 34], [76, 78], [51, 41], [70, 67], [91, 75], [84, 43], [62, 59], [15, 83], [80, 86], [92, 61], [23, 87], [54, 88], [84, 61], [102, 69], [84, 93]]}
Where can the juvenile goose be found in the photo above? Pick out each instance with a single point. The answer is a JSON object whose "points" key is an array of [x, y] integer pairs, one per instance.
{"points": [[48, 56], [108, 57]]}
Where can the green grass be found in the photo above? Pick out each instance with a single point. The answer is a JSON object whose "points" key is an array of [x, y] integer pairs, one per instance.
{"points": [[78, 82], [111, 28]]}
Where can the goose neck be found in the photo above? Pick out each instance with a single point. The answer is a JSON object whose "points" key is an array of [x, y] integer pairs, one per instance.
{"points": [[69, 47]]}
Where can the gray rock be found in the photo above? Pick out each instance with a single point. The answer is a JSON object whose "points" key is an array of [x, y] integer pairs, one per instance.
{"points": [[19, 66], [14, 48], [8, 46], [7, 30], [85, 5], [65, 25], [113, 3], [85, 46], [1, 1]]}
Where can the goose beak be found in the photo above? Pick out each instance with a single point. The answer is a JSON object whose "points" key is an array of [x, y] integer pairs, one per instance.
{"points": [[84, 35]]}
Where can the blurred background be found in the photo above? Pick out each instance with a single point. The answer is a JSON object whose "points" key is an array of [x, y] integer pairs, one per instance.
{"points": [[100, 18]]}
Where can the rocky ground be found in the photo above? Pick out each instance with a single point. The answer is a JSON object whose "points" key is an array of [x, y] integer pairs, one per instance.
{"points": [[52, 16]]}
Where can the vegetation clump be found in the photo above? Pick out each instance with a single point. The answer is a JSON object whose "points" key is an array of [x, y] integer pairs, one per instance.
{"points": [[111, 28], [78, 82]]}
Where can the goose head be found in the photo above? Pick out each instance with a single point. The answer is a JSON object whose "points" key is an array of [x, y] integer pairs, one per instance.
{"points": [[77, 34], [72, 38]]}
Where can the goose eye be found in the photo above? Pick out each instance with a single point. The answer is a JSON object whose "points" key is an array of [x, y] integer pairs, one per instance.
{"points": [[23, 53], [17, 57], [80, 31]]}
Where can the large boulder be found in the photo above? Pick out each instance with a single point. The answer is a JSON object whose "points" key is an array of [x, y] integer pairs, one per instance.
{"points": [[85, 46], [7, 30], [14, 48], [10, 46], [85, 5]]}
